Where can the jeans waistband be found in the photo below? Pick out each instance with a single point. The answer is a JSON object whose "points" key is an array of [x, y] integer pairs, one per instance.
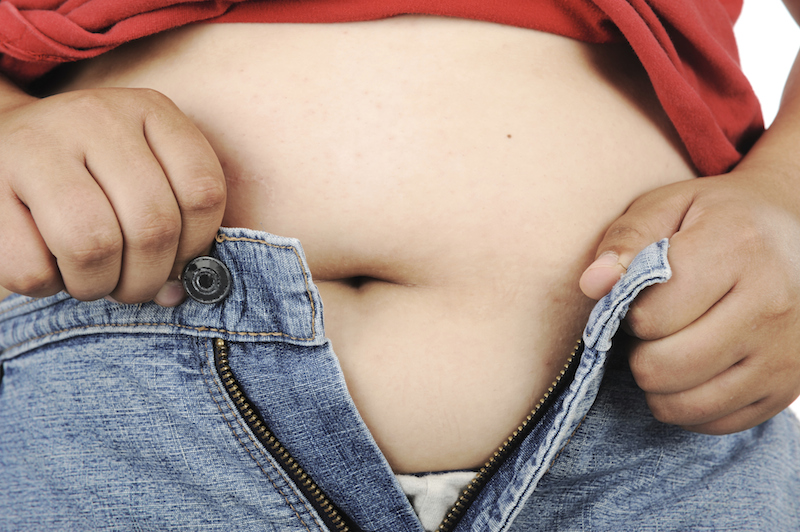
{"points": [[272, 298]]}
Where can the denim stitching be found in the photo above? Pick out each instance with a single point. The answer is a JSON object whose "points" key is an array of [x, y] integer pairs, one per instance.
{"points": [[162, 324], [221, 237], [28, 301], [558, 454], [245, 447]]}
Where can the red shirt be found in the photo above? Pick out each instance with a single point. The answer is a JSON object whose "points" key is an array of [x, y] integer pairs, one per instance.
{"points": [[686, 46]]}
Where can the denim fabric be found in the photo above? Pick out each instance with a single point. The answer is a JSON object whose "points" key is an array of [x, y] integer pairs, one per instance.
{"points": [[113, 417]]}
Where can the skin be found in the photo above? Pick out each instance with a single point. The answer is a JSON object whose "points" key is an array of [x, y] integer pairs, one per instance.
{"points": [[715, 345], [447, 330], [68, 228], [702, 360]]}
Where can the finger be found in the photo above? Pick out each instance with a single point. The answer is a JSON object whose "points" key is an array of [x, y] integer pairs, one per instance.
{"points": [[650, 218], [745, 418], [730, 402], [598, 279], [33, 272], [148, 215], [691, 357], [196, 178], [702, 275], [77, 224], [171, 294]]}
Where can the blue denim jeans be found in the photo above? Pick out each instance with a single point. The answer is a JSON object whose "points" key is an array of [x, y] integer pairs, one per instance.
{"points": [[235, 416]]}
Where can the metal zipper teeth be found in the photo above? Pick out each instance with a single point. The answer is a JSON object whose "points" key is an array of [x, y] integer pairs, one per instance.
{"points": [[493, 464], [334, 518]]}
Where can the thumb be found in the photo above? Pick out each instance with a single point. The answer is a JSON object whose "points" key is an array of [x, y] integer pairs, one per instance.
{"points": [[656, 215]]}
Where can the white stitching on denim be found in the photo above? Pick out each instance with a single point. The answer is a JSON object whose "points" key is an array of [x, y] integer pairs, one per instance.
{"points": [[558, 454]]}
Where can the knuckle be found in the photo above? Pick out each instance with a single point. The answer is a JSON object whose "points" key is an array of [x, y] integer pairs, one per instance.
{"points": [[90, 248], [89, 101], [107, 106], [152, 95], [207, 194], [35, 282], [645, 375], [156, 232], [623, 232], [677, 409], [665, 411], [153, 102], [643, 324]]}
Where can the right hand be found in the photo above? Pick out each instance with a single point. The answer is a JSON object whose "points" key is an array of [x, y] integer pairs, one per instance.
{"points": [[104, 192]]}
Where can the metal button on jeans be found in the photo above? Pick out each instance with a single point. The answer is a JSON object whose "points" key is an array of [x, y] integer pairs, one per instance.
{"points": [[206, 280]]}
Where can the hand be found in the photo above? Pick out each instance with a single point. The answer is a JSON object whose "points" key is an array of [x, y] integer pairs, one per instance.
{"points": [[719, 344], [106, 192]]}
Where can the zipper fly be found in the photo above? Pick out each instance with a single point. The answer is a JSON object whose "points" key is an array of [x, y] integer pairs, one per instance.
{"points": [[334, 518], [485, 473]]}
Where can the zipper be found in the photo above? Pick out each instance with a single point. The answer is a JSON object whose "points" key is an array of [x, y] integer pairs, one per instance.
{"points": [[470, 493], [333, 518]]}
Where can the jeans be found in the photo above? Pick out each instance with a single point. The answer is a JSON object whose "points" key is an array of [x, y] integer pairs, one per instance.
{"points": [[235, 416]]}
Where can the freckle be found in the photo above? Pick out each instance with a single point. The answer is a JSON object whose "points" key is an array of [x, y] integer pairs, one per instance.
{"points": [[509, 135]]}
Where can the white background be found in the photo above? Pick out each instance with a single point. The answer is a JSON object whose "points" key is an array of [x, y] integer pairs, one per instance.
{"points": [[768, 42]]}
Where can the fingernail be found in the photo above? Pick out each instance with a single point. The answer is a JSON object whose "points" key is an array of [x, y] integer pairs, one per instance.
{"points": [[109, 298], [171, 294], [609, 259]]}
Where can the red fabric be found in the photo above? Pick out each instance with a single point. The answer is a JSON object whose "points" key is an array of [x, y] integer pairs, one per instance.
{"points": [[686, 46]]}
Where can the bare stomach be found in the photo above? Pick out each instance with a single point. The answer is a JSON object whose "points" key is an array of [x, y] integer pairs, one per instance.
{"points": [[449, 181]]}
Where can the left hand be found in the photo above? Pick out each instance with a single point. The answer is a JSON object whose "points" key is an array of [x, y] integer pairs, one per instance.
{"points": [[719, 344]]}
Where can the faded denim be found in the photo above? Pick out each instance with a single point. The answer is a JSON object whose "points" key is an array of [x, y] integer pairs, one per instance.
{"points": [[112, 417]]}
